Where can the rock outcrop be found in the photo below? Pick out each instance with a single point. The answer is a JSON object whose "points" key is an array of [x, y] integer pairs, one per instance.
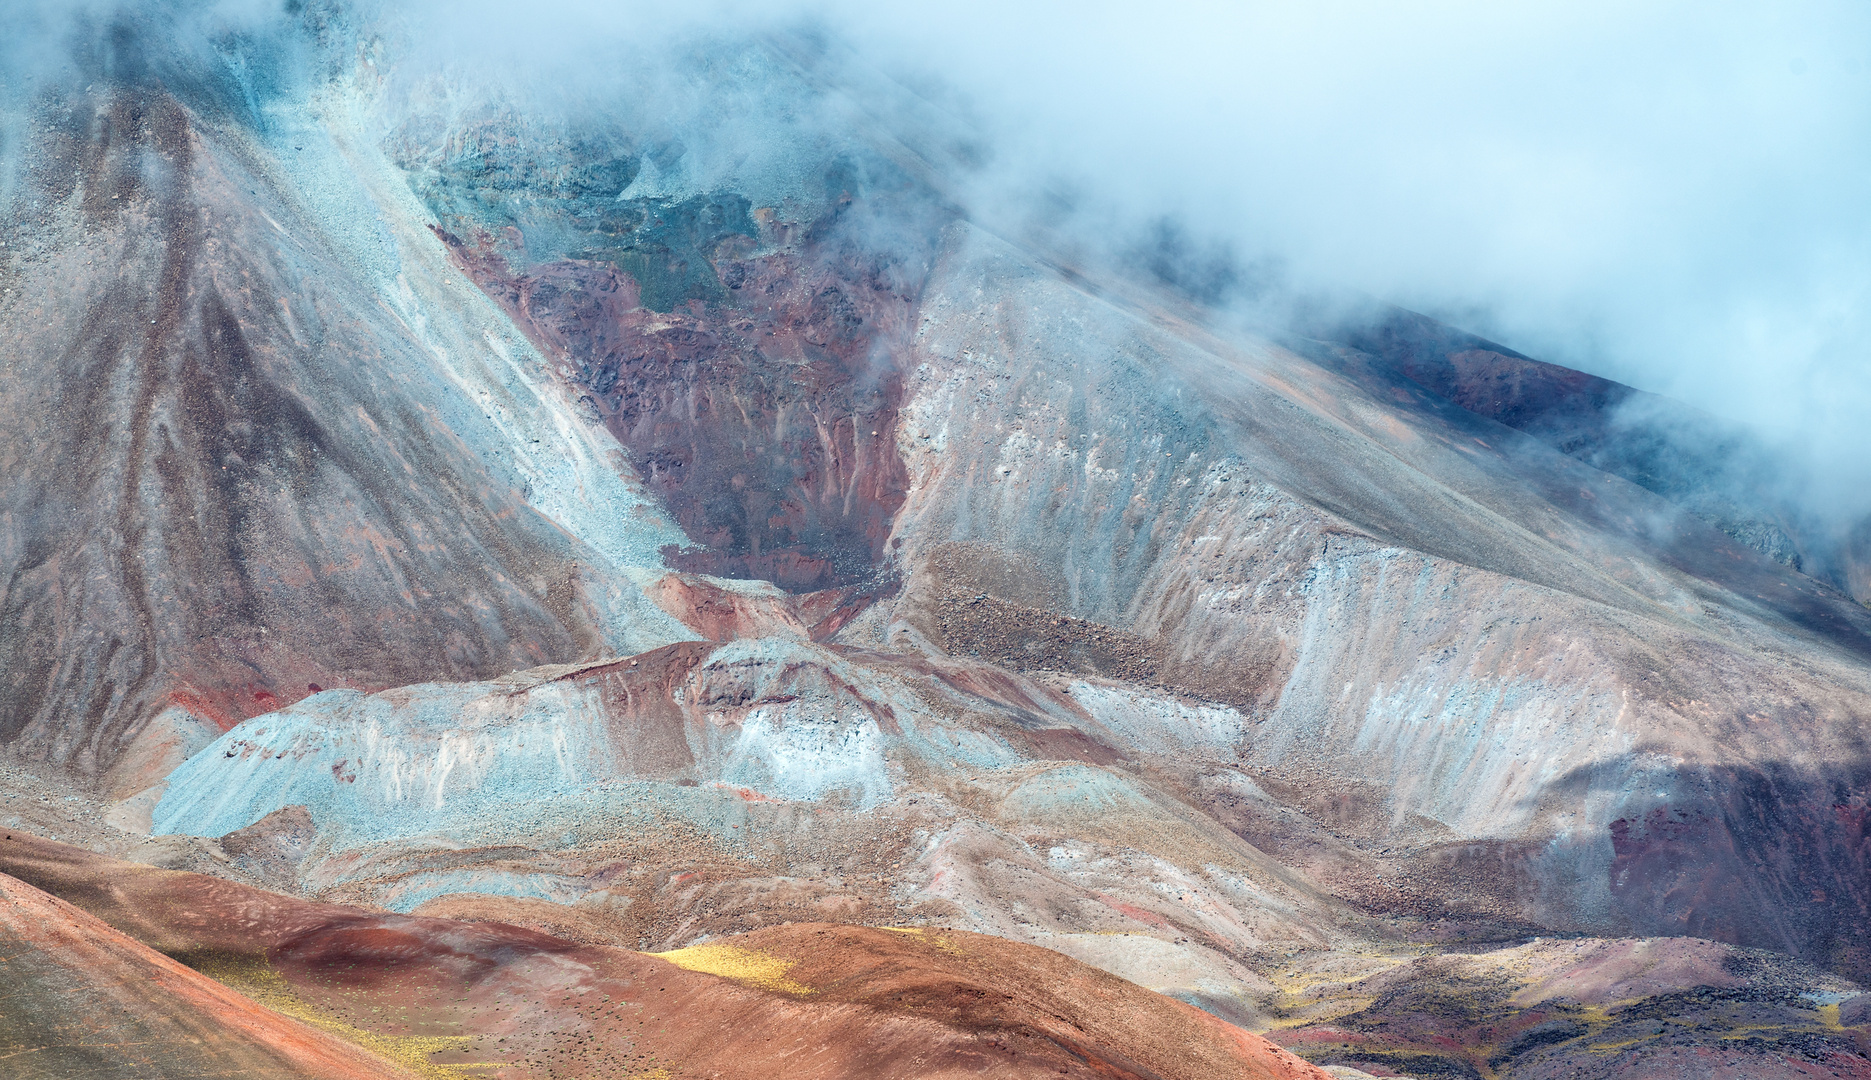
{"points": [[420, 502]]}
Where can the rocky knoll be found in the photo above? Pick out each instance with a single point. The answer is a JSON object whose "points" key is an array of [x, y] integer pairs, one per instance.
{"points": [[453, 999]]}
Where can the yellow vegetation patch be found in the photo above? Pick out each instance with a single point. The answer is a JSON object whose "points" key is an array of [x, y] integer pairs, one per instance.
{"points": [[257, 979], [1595, 1015], [936, 940], [1305, 1011], [744, 966]]}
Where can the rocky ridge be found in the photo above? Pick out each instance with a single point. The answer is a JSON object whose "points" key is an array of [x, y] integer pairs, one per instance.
{"points": [[457, 514]]}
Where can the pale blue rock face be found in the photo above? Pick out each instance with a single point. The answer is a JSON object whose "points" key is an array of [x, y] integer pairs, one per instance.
{"points": [[425, 759], [732, 530], [532, 758]]}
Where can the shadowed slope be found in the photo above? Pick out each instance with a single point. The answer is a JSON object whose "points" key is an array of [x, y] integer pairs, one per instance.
{"points": [[1649, 1009], [1711, 467]]}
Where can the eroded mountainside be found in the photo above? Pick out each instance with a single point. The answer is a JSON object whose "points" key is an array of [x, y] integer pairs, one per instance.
{"points": [[423, 501]]}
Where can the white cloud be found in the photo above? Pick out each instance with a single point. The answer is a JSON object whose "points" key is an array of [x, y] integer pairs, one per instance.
{"points": [[1677, 195]]}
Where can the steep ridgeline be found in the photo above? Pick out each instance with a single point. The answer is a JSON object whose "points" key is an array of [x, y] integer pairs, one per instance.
{"points": [[232, 473], [639, 530], [1710, 467]]}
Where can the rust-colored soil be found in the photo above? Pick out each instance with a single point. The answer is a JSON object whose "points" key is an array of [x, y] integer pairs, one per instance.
{"points": [[457, 999], [78, 998]]}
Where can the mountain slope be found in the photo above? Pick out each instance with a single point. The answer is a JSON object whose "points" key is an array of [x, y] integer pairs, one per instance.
{"points": [[82, 999], [608, 520], [233, 474]]}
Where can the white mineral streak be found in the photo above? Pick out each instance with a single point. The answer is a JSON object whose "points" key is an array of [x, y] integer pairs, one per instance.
{"points": [[802, 753], [1160, 722], [407, 762], [495, 392], [458, 760], [1439, 681], [1358, 648]]}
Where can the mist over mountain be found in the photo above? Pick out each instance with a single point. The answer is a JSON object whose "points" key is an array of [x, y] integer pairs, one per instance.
{"points": [[1596, 186], [606, 540]]}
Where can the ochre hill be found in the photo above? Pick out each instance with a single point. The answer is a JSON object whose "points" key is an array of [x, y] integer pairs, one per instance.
{"points": [[449, 998]]}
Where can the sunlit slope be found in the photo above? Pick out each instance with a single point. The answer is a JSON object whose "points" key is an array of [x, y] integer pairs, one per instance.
{"points": [[1554, 687], [83, 999], [451, 999], [238, 468]]}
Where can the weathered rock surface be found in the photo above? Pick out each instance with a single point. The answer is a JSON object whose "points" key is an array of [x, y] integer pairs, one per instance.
{"points": [[236, 470], [420, 503]]}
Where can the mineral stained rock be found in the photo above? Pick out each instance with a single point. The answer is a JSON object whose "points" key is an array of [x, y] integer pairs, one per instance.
{"points": [[472, 546]]}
